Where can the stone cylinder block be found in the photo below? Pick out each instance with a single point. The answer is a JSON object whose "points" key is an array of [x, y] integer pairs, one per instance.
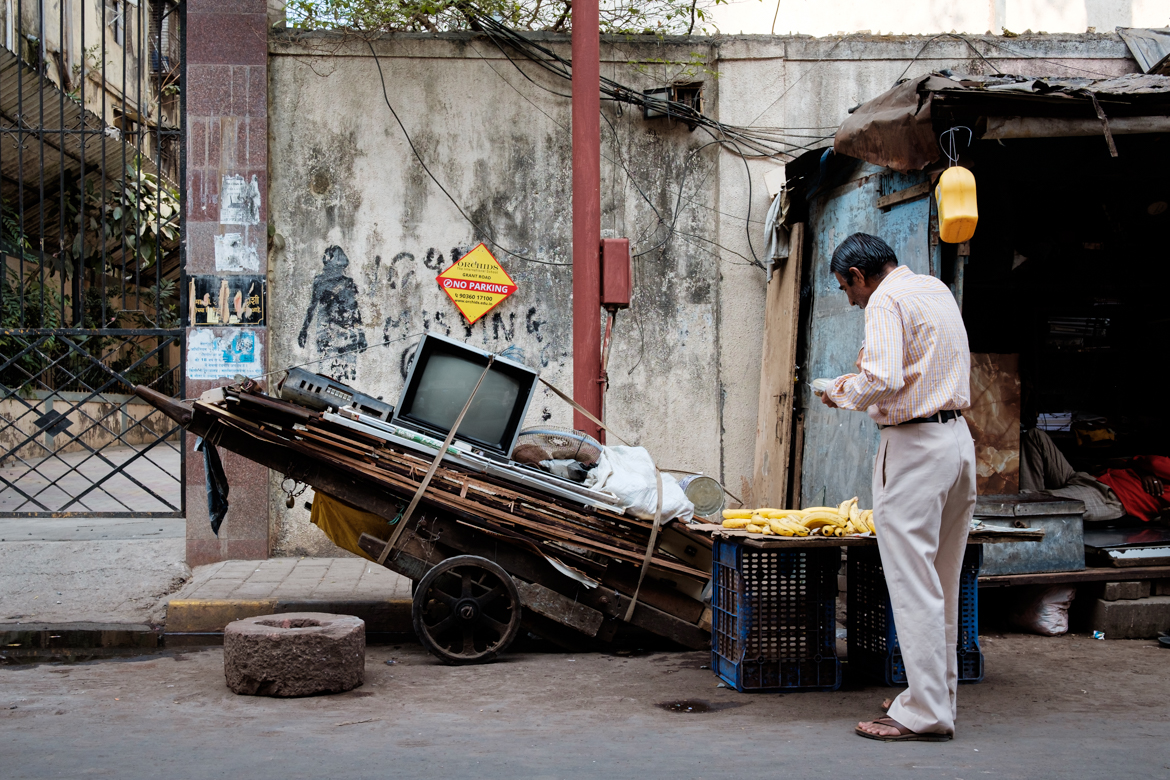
{"points": [[294, 654]]}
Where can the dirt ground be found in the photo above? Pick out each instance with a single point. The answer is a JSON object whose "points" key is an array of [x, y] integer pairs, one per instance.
{"points": [[1049, 708]]}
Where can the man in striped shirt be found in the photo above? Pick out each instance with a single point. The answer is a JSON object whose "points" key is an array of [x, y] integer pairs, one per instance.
{"points": [[913, 378]]}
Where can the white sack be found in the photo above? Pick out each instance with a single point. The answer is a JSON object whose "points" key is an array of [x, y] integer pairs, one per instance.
{"points": [[628, 473], [1044, 609]]}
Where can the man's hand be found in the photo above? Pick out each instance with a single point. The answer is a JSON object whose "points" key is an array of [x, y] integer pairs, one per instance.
{"points": [[1152, 485]]}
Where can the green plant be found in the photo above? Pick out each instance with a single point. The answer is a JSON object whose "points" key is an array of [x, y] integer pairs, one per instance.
{"points": [[135, 219], [639, 17]]}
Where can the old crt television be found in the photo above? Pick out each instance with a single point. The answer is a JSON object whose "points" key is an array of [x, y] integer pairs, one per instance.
{"points": [[441, 379]]}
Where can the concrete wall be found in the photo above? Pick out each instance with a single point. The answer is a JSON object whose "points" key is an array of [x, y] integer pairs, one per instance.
{"points": [[815, 17], [686, 359]]}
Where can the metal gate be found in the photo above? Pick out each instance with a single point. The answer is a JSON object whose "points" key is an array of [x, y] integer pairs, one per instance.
{"points": [[91, 138]]}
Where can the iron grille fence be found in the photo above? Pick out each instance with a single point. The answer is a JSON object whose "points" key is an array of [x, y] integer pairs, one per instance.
{"points": [[91, 144]]}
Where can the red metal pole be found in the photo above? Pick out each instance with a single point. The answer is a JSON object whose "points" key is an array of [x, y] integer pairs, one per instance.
{"points": [[587, 213]]}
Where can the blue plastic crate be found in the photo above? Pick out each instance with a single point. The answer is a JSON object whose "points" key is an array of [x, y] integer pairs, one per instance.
{"points": [[773, 626], [873, 638]]}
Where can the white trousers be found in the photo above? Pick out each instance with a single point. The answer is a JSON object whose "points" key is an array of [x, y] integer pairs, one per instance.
{"points": [[924, 498]]}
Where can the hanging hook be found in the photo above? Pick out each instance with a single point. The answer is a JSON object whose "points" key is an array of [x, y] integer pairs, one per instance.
{"points": [[949, 147]]}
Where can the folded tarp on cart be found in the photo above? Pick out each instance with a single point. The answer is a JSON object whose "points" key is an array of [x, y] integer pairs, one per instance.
{"points": [[344, 524]]}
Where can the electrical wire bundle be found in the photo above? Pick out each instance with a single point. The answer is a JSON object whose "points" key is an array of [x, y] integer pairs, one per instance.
{"points": [[748, 142]]}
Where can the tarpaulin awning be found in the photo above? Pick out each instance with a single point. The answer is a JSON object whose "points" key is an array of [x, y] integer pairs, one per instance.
{"points": [[899, 129]]}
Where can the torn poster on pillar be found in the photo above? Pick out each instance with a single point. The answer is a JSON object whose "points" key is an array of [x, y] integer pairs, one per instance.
{"points": [[224, 354], [234, 255], [239, 201], [227, 300]]}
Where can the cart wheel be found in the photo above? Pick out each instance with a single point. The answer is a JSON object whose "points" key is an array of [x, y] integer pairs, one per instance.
{"points": [[466, 610]]}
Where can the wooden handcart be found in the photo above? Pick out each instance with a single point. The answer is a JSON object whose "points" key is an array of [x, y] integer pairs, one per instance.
{"points": [[487, 556]]}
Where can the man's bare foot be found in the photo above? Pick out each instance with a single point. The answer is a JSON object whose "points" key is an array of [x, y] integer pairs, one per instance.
{"points": [[890, 730], [886, 704], [883, 727]]}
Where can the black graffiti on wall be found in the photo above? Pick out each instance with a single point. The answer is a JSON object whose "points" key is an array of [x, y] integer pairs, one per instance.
{"points": [[334, 303], [400, 286]]}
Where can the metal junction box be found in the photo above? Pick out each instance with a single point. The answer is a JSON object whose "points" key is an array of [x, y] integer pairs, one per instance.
{"points": [[1062, 519]]}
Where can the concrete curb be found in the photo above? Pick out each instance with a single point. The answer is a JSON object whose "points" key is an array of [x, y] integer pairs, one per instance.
{"points": [[188, 619]]}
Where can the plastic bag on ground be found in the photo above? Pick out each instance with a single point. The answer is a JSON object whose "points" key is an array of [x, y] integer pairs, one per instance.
{"points": [[628, 473], [1043, 609]]}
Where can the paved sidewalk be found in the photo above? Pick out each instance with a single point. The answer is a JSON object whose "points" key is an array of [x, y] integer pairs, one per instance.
{"points": [[300, 578], [219, 593]]}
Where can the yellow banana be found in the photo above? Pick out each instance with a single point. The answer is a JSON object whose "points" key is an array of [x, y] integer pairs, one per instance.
{"points": [[818, 519], [800, 529], [796, 528], [778, 528], [753, 528], [854, 512], [736, 523], [818, 509], [737, 514], [844, 507]]}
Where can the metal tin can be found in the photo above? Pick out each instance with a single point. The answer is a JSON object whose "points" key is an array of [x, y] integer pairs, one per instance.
{"points": [[704, 492]]}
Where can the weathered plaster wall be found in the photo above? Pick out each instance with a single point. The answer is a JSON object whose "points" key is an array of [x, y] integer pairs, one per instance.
{"points": [[344, 176], [686, 358]]}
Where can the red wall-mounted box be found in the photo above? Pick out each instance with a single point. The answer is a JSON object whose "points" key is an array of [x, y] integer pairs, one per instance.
{"points": [[616, 282]]}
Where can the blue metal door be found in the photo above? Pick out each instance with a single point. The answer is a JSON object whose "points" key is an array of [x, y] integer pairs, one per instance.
{"points": [[840, 446]]}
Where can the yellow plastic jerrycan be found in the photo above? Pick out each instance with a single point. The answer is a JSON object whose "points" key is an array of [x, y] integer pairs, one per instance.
{"points": [[958, 212]]}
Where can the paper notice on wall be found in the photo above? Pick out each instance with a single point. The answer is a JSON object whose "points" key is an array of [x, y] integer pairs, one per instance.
{"points": [[239, 201], [227, 300], [223, 354], [233, 254]]}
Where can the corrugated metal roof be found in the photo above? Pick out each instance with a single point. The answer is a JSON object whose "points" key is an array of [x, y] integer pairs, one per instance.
{"points": [[60, 135]]}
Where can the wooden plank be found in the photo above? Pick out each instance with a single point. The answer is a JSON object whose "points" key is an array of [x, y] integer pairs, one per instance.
{"points": [[651, 619], [807, 542], [777, 377], [553, 605], [623, 577], [797, 458], [915, 192], [1095, 574]]}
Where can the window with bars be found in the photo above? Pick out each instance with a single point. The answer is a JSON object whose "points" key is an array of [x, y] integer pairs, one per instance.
{"points": [[164, 36], [116, 20]]}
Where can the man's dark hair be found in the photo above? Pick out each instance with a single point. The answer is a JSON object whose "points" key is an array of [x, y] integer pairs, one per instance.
{"points": [[868, 254]]}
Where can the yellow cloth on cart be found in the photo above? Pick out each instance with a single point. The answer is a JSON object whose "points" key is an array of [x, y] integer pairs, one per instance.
{"points": [[345, 524]]}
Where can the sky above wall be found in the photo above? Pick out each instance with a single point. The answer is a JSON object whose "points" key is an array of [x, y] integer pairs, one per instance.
{"points": [[917, 17]]}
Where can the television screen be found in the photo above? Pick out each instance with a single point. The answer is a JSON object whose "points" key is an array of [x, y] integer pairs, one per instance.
{"points": [[442, 377]]}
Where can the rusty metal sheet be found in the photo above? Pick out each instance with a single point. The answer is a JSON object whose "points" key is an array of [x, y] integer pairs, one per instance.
{"points": [[840, 446]]}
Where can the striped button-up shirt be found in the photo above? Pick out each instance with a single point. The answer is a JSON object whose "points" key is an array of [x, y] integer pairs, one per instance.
{"points": [[915, 360]]}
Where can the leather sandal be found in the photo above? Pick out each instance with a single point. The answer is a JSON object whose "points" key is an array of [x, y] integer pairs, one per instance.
{"points": [[904, 734]]}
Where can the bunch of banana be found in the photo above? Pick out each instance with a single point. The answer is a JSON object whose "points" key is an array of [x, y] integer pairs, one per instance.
{"points": [[842, 520]]}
